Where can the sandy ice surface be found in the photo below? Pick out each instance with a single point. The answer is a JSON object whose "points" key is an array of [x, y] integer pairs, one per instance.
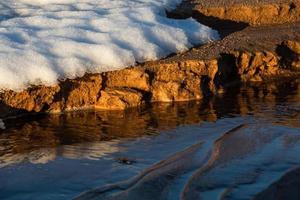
{"points": [[42, 41]]}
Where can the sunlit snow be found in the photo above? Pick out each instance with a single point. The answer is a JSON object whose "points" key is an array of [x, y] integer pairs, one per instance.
{"points": [[42, 41]]}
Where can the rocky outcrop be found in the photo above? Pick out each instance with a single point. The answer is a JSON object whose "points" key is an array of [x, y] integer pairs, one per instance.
{"points": [[251, 12], [252, 54], [254, 66], [163, 81], [181, 81]]}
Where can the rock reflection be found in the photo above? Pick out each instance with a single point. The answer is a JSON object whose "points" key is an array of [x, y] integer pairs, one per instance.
{"points": [[89, 150], [92, 134]]}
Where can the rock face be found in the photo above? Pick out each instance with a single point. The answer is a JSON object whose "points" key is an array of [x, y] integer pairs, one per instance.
{"points": [[163, 81], [253, 66], [252, 54], [253, 12], [182, 81], [119, 99], [291, 51]]}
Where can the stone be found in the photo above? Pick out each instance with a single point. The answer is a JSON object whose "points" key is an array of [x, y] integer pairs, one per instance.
{"points": [[292, 58], [294, 46], [32, 100], [168, 92], [118, 99], [82, 93], [251, 55], [250, 12], [135, 78]]}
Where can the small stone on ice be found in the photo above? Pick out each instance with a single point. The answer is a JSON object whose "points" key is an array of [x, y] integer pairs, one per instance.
{"points": [[2, 125]]}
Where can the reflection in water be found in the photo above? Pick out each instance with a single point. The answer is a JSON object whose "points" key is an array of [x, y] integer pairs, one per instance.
{"points": [[273, 108], [80, 132]]}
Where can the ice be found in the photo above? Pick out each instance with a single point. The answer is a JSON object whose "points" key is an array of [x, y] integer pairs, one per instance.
{"points": [[43, 41]]}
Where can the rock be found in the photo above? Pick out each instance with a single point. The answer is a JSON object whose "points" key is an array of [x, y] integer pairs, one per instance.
{"points": [[81, 93], [254, 66], [289, 51], [294, 46], [33, 99], [293, 59], [183, 81], [118, 99], [2, 124], [126, 161], [169, 91], [251, 55], [251, 12], [135, 78]]}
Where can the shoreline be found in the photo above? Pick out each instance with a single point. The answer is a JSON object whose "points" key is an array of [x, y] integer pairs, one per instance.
{"points": [[251, 54]]}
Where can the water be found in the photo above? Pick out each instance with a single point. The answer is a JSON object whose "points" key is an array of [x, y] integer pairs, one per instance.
{"points": [[231, 146]]}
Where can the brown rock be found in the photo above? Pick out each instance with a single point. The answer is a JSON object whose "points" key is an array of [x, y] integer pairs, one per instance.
{"points": [[169, 91], [81, 93], [119, 99], [243, 59], [291, 54], [253, 54], [254, 66], [170, 72], [34, 99], [135, 78], [253, 12], [294, 46]]}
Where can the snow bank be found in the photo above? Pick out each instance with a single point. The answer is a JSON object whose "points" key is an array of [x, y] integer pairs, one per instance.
{"points": [[42, 41], [2, 125]]}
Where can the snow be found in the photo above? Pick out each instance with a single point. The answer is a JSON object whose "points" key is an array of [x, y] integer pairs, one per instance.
{"points": [[43, 41], [2, 125]]}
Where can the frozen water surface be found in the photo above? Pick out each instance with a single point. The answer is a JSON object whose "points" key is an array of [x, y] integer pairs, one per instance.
{"points": [[42, 41]]}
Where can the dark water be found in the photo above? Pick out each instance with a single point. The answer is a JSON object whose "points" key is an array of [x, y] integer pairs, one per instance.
{"points": [[231, 146]]}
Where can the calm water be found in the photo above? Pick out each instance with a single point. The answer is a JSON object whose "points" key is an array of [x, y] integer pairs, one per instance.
{"points": [[232, 146]]}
